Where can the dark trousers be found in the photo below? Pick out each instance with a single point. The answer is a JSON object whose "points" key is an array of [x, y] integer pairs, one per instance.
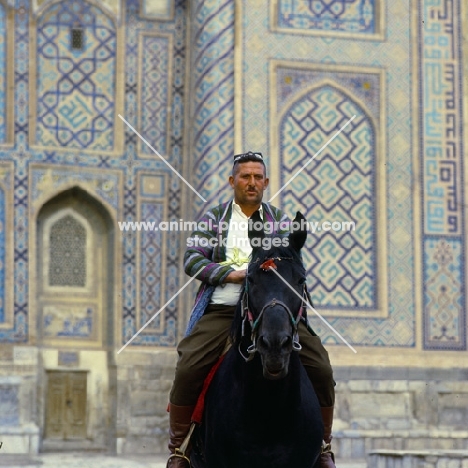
{"points": [[199, 351]]}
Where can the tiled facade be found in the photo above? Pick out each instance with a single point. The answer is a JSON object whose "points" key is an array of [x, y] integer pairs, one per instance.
{"points": [[200, 81]]}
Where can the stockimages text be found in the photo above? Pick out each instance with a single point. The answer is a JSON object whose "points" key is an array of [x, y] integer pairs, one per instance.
{"points": [[266, 242]]}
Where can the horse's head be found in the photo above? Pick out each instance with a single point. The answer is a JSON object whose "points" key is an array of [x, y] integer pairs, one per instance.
{"points": [[273, 301]]}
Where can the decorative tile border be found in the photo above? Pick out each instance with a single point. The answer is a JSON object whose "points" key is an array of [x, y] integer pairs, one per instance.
{"points": [[46, 181], [155, 93], [442, 169], [7, 74], [3, 72], [6, 246], [111, 7], [20, 220], [213, 115], [151, 270], [393, 324], [60, 118], [136, 187], [354, 19], [367, 84], [444, 294], [9, 404], [355, 282], [79, 322]]}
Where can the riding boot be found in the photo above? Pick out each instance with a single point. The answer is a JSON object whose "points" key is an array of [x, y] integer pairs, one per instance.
{"points": [[180, 420], [327, 458]]}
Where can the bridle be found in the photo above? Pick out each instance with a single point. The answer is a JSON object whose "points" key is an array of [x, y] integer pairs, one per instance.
{"points": [[254, 323]]}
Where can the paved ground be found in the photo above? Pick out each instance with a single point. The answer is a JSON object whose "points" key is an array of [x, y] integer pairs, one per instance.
{"points": [[83, 460]]}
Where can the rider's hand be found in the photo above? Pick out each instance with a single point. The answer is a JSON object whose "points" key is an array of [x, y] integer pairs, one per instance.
{"points": [[237, 276]]}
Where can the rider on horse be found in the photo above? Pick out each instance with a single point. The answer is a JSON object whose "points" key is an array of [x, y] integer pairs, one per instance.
{"points": [[225, 254]]}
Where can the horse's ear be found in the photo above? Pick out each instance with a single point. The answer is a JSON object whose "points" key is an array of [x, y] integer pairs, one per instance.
{"points": [[298, 234]]}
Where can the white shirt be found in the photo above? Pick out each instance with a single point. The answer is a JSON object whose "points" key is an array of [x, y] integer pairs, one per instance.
{"points": [[237, 248]]}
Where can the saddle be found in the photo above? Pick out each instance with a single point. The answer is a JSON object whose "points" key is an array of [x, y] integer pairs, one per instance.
{"points": [[197, 415]]}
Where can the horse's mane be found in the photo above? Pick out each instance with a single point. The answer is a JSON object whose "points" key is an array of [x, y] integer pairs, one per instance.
{"points": [[259, 256]]}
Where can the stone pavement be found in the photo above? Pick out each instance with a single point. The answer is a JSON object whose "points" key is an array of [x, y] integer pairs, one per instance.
{"points": [[93, 460]]}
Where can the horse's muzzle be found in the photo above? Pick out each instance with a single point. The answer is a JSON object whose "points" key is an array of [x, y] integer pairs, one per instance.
{"points": [[275, 374], [275, 368]]}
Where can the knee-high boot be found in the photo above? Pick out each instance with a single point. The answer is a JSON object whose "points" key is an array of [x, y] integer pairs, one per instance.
{"points": [[327, 458], [180, 420]]}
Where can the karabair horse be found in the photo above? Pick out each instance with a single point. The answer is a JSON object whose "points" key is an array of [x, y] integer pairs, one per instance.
{"points": [[261, 410]]}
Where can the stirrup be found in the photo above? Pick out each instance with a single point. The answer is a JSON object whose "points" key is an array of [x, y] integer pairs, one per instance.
{"points": [[326, 448], [179, 454]]}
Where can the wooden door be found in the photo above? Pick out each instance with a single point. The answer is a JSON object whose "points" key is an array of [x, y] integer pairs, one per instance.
{"points": [[66, 405]]}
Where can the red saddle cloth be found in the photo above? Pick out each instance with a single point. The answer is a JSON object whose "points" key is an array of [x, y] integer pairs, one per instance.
{"points": [[197, 414]]}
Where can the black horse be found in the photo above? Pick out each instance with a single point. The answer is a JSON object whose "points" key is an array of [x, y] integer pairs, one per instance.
{"points": [[261, 410]]}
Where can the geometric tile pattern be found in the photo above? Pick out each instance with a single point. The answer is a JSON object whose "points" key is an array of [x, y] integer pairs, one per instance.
{"points": [[355, 16], [156, 65], [104, 184], [111, 7], [150, 274], [444, 294], [159, 331], [20, 187], [9, 405], [442, 119], [67, 251], [365, 86], [76, 92], [136, 27], [438, 101], [3, 72], [68, 321], [40, 173], [337, 186], [263, 52], [2, 255], [6, 247], [442, 154], [213, 124]]}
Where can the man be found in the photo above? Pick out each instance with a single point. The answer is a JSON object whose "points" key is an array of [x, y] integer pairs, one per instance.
{"points": [[224, 254]]}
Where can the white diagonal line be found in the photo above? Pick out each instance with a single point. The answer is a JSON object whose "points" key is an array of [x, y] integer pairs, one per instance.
{"points": [[164, 161], [313, 310], [312, 158], [160, 310]]}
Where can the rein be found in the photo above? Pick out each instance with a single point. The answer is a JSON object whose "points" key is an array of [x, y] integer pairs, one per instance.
{"points": [[247, 315]]}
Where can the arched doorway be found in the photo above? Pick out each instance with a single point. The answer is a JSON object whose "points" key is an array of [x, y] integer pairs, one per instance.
{"points": [[74, 297]]}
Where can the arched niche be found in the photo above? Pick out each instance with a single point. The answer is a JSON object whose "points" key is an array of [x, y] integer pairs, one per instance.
{"points": [[337, 186], [74, 271]]}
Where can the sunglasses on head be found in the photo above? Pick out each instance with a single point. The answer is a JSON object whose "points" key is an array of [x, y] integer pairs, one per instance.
{"points": [[249, 155]]}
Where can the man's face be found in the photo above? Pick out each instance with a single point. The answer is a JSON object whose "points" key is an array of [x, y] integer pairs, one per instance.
{"points": [[249, 183]]}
